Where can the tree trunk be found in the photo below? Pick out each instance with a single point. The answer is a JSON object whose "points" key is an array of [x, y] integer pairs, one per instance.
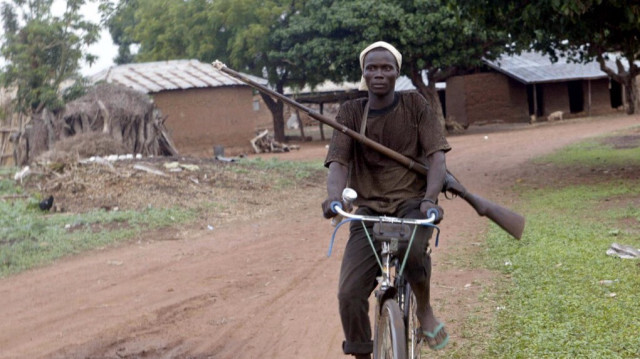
{"points": [[627, 77], [277, 112], [631, 92], [429, 92]]}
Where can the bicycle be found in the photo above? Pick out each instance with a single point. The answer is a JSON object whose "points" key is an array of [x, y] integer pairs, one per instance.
{"points": [[396, 332]]}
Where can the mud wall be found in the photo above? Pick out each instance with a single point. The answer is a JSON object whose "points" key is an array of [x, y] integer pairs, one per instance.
{"points": [[494, 97], [198, 119], [600, 96], [555, 97], [486, 98]]}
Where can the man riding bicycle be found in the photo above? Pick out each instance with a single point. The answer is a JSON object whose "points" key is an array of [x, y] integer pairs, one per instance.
{"points": [[405, 123]]}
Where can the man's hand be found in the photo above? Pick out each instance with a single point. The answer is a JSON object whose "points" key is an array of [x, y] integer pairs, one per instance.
{"points": [[327, 211], [426, 205]]}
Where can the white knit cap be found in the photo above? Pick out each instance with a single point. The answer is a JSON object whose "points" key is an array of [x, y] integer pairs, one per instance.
{"points": [[375, 45]]}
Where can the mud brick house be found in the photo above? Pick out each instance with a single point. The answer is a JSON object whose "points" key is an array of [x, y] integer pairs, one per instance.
{"points": [[330, 92], [519, 86], [204, 107], [403, 83]]}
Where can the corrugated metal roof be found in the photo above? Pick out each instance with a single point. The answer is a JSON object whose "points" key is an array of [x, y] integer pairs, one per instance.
{"points": [[327, 86], [533, 67], [151, 77], [403, 83]]}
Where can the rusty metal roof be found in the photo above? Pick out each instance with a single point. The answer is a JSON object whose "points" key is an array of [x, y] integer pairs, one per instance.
{"points": [[152, 77], [533, 67]]}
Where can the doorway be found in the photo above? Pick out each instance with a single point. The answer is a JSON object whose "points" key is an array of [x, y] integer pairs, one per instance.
{"points": [[576, 96], [615, 93]]}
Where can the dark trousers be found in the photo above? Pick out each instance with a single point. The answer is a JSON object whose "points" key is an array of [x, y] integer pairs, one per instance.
{"points": [[360, 269]]}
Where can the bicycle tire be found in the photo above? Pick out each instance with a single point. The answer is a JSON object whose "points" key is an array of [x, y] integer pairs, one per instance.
{"points": [[390, 341], [412, 325]]}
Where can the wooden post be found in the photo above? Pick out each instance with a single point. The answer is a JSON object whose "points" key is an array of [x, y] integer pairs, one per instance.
{"points": [[3, 143], [321, 129], [589, 98], [535, 101], [303, 139]]}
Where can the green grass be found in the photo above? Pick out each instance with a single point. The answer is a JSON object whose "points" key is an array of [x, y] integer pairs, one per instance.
{"points": [[593, 153], [290, 172], [554, 304], [29, 237]]}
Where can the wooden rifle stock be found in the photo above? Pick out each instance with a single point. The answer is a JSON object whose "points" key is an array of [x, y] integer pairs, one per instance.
{"points": [[511, 222]]}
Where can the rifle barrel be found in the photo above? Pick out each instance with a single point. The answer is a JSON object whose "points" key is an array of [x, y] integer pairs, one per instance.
{"points": [[508, 220]]}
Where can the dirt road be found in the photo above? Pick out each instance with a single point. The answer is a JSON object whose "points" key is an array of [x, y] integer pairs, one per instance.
{"points": [[254, 289]]}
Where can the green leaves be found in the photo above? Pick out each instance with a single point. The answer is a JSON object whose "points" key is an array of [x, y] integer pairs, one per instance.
{"points": [[581, 29], [43, 50]]}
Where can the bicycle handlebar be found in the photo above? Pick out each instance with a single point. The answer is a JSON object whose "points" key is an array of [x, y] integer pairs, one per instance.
{"points": [[336, 207], [432, 214]]}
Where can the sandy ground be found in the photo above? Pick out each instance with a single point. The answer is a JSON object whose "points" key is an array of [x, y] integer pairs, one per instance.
{"points": [[259, 288]]}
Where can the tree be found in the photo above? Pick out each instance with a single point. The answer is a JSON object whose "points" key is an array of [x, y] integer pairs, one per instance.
{"points": [[234, 31], [42, 51], [434, 38], [117, 18], [163, 30], [583, 31], [249, 25]]}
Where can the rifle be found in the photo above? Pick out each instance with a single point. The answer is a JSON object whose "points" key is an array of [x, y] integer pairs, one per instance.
{"points": [[511, 222]]}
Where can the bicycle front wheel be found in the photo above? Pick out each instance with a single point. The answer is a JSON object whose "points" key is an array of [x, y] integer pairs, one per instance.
{"points": [[390, 340], [414, 341]]}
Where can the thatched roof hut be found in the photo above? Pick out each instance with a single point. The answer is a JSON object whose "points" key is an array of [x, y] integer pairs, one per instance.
{"points": [[126, 115]]}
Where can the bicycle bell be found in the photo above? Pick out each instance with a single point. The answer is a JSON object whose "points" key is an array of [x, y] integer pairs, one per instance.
{"points": [[349, 195]]}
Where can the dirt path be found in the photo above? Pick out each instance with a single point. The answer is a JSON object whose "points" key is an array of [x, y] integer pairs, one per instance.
{"points": [[262, 289]]}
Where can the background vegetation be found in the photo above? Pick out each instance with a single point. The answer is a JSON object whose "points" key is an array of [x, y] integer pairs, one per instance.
{"points": [[563, 296], [30, 237], [294, 43]]}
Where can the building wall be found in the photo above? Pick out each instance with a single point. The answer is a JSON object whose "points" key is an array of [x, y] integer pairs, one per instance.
{"points": [[600, 97], [555, 97], [455, 96], [494, 97], [199, 119], [486, 98]]}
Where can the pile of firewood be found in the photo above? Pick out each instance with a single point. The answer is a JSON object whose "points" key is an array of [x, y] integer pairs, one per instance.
{"points": [[265, 143]]}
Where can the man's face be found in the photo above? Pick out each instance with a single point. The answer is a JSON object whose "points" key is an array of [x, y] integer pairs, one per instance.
{"points": [[380, 71]]}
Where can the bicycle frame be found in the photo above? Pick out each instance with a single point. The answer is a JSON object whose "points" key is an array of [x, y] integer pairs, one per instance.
{"points": [[392, 286]]}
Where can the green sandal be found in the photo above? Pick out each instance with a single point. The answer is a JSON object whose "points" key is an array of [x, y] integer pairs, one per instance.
{"points": [[432, 335]]}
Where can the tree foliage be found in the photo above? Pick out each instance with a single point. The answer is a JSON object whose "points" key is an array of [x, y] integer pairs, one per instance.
{"points": [[234, 31], [293, 43], [118, 18], [163, 29], [582, 30], [326, 36], [42, 50]]}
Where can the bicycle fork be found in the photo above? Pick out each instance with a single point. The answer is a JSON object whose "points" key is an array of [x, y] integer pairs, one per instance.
{"points": [[389, 248]]}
